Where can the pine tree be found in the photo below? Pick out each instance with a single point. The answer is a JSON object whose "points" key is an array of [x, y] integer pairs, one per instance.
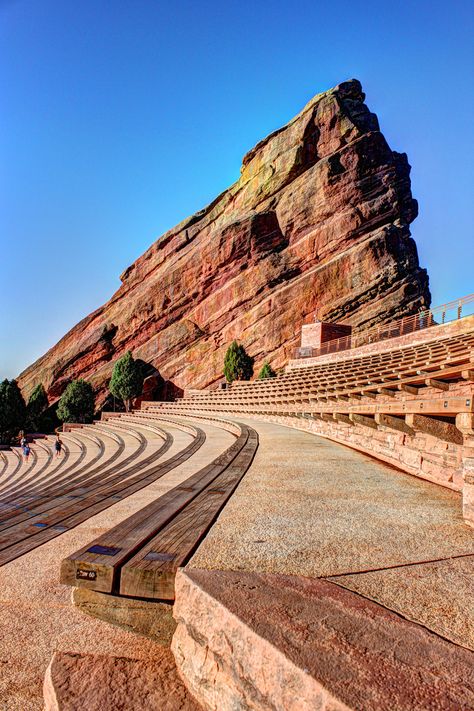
{"points": [[37, 404], [77, 402], [266, 371], [238, 365], [127, 379], [12, 410]]}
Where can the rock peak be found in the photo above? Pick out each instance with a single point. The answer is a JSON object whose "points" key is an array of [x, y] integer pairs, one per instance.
{"points": [[318, 219]]}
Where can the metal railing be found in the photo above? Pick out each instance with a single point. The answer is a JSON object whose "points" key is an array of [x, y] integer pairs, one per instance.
{"points": [[451, 311]]}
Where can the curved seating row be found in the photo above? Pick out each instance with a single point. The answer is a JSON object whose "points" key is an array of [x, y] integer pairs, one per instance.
{"points": [[410, 406], [113, 460], [408, 374], [140, 556]]}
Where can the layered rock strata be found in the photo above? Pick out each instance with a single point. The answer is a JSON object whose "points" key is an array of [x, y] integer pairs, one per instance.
{"points": [[318, 221]]}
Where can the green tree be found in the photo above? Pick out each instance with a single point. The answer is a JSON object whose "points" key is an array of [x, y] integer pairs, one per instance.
{"points": [[12, 410], [266, 371], [238, 365], [37, 404], [127, 379], [77, 402]]}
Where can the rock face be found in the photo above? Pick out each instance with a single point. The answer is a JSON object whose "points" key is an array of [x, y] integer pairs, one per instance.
{"points": [[318, 221]]}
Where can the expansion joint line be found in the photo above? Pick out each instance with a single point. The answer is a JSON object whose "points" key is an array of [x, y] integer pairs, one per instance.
{"points": [[399, 565]]}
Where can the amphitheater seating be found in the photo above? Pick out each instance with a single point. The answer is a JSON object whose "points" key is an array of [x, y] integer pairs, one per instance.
{"points": [[410, 405], [102, 464], [406, 380], [141, 555]]}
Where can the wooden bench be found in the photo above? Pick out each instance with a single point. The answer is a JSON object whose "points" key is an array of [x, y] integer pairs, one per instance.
{"points": [[26, 527], [166, 531]]}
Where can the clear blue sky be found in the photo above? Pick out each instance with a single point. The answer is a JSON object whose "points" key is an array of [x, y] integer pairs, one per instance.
{"points": [[118, 119]]}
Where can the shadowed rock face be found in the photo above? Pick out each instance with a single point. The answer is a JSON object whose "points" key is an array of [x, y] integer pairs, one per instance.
{"points": [[318, 220]]}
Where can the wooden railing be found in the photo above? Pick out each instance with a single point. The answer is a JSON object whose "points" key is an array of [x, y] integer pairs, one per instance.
{"points": [[451, 311]]}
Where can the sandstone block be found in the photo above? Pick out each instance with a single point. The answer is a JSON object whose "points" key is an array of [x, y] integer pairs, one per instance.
{"points": [[468, 491], [285, 643], [151, 619]]}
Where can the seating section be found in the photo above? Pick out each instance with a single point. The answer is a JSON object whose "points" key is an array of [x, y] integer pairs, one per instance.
{"points": [[411, 406], [106, 462], [423, 388], [102, 463], [140, 556], [394, 382]]}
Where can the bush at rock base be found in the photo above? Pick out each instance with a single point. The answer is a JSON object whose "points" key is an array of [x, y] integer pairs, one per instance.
{"points": [[238, 365], [127, 379]]}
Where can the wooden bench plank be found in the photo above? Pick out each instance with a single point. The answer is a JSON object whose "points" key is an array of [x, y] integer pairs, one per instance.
{"points": [[92, 480], [151, 572], [67, 519], [89, 567]]}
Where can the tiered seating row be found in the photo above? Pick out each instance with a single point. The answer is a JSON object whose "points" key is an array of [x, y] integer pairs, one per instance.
{"points": [[409, 380], [141, 555], [32, 513]]}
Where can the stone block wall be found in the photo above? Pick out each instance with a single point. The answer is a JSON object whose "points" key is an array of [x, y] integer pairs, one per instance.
{"points": [[315, 334]]}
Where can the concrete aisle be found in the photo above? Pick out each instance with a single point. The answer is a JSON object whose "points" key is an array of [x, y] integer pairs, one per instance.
{"points": [[310, 507]]}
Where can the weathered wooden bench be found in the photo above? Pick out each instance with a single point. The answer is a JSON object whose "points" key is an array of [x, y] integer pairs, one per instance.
{"points": [[140, 556], [28, 525]]}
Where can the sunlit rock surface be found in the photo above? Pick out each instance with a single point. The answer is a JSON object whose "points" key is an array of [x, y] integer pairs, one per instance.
{"points": [[318, 220]]}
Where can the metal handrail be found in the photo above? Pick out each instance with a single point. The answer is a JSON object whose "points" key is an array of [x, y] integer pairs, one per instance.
{"points": [[451, 311]]}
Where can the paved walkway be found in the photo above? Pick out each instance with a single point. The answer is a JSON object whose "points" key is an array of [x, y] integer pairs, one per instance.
{"points": [[310, 507]]}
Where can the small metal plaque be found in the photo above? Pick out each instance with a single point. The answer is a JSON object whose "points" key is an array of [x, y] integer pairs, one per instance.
{"points": [[163, 557], [103, 550], [86, 574], [40, 525], [61, 528]]}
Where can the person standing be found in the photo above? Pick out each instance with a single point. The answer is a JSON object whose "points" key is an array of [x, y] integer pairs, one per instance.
{"points": [[26, 451], [58, 445]]}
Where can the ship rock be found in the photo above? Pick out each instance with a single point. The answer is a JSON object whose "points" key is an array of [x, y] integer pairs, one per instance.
{"points": [[318, 222]]}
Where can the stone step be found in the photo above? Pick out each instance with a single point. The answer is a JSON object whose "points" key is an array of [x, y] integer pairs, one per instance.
{"points": [[271, 642]]}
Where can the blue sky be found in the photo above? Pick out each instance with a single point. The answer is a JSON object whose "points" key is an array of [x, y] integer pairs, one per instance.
{"points": [[118, 119]]}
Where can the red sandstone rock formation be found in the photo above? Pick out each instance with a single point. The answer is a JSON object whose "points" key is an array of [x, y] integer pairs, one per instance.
{"points": [[318, 220]]}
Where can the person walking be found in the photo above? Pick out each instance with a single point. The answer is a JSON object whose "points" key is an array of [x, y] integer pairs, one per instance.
{"points": [[58, 445]]}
